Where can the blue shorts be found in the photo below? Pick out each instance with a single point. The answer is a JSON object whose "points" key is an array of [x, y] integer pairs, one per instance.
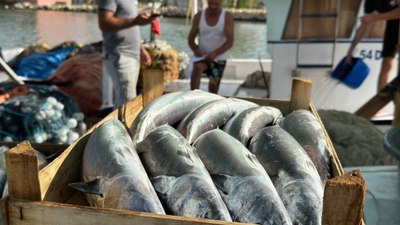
{"points": [[215, 70]]}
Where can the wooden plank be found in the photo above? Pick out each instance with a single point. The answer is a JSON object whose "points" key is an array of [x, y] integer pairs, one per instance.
{"points": [[4, 210], [49, 213], [22, 172], [153, 85], [347, 190], [380, 100], [10, 72], [301, 94], [45, 148], [336, 166]]}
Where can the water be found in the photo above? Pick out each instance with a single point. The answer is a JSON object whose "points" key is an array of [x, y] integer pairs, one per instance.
{"points": [[23, 28]]}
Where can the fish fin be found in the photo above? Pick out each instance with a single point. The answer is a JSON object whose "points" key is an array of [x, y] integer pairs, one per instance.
{"points": [[163, 184], [219, 181], [92, 187]]}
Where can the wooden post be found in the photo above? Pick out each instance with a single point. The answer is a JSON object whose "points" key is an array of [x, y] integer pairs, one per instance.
{"points": [[23, 172], [380, 100], [301, 94], [153, 85], [348, 190]]}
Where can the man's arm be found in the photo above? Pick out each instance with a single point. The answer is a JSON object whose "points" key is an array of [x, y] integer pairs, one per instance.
{"points": [[145, 57], [359, 35], [393, 14], [108, 22], [194, 31], [229, 33]]}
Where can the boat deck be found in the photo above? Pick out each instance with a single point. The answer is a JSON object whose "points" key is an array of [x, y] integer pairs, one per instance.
{"points": [[227, 88]]}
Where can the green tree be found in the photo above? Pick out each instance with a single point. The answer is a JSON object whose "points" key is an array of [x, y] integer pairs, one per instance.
{"points": [[248, 4]]}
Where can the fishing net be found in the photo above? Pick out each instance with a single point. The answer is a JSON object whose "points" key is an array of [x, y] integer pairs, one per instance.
{"points": [[84, 73], [44, 115]]}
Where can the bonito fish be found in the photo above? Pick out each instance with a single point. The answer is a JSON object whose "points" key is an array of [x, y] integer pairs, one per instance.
{"points": [[246, 124], [114, 173], [179, 176], [292, 172], [241, 180], [168, 109], [305, 128], [210, 116]]}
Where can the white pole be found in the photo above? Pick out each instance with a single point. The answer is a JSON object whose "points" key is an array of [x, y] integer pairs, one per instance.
{"points": [[195, 8]]}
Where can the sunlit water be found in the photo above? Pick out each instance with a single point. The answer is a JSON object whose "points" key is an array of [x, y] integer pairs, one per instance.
{"points": [[23, 28]]}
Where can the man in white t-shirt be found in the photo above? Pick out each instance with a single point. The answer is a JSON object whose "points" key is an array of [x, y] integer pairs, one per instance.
{"points": [[214, 28]]}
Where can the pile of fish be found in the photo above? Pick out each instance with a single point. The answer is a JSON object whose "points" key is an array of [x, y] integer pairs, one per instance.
{"points": [[198, 154]]}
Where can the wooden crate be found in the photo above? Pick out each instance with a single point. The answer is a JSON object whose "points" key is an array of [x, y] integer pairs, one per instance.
{"points": [[43, 197]]}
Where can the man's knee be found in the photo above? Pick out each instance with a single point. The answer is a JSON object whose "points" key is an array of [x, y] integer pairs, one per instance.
{"points": [[199, 68]]}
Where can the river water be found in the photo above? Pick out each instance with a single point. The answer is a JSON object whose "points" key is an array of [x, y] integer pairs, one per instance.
{"points": [[23, 28]]}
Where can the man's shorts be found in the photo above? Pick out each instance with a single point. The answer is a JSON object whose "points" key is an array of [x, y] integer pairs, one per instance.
{"points": [[215, 70], [391, 38]]}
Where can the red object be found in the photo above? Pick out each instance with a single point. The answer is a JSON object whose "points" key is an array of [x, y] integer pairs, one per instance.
{"points": [[84, 72], [155, 27]]}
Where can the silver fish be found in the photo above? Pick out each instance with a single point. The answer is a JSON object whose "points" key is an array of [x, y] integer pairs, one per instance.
{"points": [[3, 172], [306, 129], [292, 172], [168, 109], [114, 173], [210, 116], [179, 176], [243, 183], [245, 125]]}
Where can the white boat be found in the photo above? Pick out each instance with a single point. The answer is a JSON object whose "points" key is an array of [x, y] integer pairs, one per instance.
{"points": [[310, 46], [312, 41]]}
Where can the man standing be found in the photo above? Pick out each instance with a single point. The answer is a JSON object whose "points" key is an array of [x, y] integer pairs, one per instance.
{"points": [[381, 10], [119, 22], [214, 28]]}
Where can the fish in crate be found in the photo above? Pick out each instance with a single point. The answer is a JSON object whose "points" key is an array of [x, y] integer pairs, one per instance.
{"points": [[204, 156]]}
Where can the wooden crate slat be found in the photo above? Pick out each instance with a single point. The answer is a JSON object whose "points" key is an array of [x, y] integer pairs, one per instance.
{"points": [[22, 172], [152, 88], [50, 213], [337, 169], [348, 190], [300, 95]]}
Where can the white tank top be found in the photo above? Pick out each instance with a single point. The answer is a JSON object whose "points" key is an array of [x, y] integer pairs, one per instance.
{"points": [[212, 37]]}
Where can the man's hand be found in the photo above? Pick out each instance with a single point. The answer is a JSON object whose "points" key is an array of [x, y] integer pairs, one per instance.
{"points": [[368, 19], [211, 57], [349, 59], [143, 19], [198, 53], [145, 57]]}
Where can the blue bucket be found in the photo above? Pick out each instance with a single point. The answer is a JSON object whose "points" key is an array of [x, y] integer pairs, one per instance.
{"points": [[352, 75]]}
